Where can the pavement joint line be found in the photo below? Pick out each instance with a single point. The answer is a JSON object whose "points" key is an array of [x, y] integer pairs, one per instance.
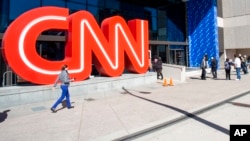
{"points": [[178, 119], [119, 118], [79, 129], [38, 108], [219, 103], [239, 104]]}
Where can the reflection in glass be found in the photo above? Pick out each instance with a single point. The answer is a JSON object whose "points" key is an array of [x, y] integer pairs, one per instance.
{"points": [[18, 7], [74, 7]]}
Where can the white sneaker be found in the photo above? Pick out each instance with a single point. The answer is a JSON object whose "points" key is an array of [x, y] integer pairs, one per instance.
{"points": [[237, 79]]}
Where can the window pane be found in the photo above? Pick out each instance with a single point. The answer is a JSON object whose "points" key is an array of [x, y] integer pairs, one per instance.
{"points": [[97, 2], [113, 4], [77, 1], [4, 15], [75, 7], [60, 3], [18, 7], [95, 12]]}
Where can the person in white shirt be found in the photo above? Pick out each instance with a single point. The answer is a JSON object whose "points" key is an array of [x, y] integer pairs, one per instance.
{"points": [[237, 65]]}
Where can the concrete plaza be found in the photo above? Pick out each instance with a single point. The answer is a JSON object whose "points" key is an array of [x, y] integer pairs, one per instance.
{"points": [[119, 113]]}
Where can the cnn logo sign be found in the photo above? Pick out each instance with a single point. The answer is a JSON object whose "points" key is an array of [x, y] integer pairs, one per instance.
{"points": [[114, 46]]}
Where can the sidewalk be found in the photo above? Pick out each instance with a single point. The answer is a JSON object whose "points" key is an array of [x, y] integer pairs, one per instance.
{"points": [[118, 113]]}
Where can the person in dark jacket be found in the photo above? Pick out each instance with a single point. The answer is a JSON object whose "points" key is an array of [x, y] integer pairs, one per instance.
{"points": [[154, 62], [158, 68], [203, 67], [228, 65], [214, 67], [243, 64], [63, 77]]}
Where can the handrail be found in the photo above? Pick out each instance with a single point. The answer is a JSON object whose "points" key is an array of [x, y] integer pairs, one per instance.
{"points": [[4, 75]]}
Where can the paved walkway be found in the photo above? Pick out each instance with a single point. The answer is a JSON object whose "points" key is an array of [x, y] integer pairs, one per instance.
{"points": [[118, 113]]}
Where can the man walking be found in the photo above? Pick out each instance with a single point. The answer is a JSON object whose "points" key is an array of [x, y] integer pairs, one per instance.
{"points": [[63, 77]]}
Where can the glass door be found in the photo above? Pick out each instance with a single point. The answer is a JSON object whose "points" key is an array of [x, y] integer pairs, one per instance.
{"points": [[177, 57]]}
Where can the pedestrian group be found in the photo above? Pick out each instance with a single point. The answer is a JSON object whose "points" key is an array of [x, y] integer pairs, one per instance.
{"points": [[239, 63]]}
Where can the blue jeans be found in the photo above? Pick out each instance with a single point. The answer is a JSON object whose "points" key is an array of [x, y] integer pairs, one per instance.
{"points": [[65, 93], [238, 73]]}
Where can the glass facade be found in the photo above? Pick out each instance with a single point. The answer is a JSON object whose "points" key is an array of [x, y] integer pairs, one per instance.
{"points": [[167, 22]]}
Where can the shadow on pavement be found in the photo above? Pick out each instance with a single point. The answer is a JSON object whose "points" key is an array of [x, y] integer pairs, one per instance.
{"points": [[187, 114], [240, 104], [143, 92], [221, 79], [194, 77], [64, 105], [198, 78], [4, 115]]}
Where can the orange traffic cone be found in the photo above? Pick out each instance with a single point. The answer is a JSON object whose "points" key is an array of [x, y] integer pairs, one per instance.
{"points": [[165, 82], [171, 83]]}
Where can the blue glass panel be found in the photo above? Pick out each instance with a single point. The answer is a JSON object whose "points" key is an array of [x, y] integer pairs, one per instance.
{"points": [[176, 23], [180, 47], [112, 4], [97, 2], [77, 1], [152, 13], [95, 11], [75, 7], [202, 30], [132, 11], [18, 7], [60, 3], [174, 33], [4, 14]]}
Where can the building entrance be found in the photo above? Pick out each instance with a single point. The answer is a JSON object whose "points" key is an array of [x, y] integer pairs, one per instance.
{"points": [[177, 57], [171, 52]]}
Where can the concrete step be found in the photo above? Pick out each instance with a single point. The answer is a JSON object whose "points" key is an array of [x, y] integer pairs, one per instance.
{"points": [[17, 95]]}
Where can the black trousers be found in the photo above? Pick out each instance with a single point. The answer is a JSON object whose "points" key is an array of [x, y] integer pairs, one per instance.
{"points": [[244, 67], [228, 74], [214, 72], [159, 73], [203, 73]]}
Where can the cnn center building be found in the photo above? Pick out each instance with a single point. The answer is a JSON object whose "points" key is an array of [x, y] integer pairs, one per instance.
{"points": [[181, 32]]}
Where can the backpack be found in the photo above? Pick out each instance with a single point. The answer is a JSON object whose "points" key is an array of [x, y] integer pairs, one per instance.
{"points": [[227, 65]]}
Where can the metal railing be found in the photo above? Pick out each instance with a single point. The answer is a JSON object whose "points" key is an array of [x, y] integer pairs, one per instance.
{"points": [[9, 80]]}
